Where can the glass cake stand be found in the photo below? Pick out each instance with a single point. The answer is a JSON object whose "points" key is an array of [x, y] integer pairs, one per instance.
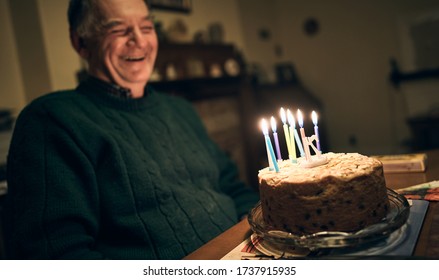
{"points": [[396, 217]]}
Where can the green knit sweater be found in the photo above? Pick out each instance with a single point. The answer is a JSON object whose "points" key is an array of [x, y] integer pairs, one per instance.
{"points": [[92, 175]]}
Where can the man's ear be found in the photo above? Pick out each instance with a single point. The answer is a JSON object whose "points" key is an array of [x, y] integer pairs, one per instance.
{"points": [[78, 43]]}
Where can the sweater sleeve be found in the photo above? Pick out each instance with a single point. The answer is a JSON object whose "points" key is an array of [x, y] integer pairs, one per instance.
{"points": [[229, 183], [51, 193]]}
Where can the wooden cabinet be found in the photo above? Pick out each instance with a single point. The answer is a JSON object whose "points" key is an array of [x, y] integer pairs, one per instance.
{"points": [[425, 132], [195, 61]]}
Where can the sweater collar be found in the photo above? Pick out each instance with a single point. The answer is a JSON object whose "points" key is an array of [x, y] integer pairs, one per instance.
{"points": [[115, 96], [109, 87]]}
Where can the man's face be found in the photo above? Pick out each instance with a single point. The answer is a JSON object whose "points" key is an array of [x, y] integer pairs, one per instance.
{"points": [[125, 51]]}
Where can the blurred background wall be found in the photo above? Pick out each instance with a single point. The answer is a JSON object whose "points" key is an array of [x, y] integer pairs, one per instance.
{"points": [[341, 51]]}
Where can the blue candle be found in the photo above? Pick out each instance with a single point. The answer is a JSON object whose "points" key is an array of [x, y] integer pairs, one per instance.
{"points": [[276, 139], [299, 143], [271, 155], [316, 128]]}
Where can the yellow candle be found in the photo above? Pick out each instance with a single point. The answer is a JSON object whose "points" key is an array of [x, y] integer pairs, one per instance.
{"points": [[291, 121], [283, 117]]}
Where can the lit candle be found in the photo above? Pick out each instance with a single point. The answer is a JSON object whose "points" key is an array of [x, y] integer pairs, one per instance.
{"points": [[283, 117], [302, 133], [296, 135], [291, 122], [270, 152], [316, 128], [276, 139]]}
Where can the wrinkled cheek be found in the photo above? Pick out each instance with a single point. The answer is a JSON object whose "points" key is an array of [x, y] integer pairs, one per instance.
{"points": [[152, 49], [152, 58]]}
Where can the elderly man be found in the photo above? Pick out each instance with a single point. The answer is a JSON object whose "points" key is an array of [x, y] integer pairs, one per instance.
{"points": [[113, 169]]}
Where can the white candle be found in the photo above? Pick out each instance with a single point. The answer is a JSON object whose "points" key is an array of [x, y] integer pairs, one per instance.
{"points": [[302, 133], [316, 128]]}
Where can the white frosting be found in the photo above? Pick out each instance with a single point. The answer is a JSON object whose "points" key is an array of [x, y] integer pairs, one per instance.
{"points": [[340, 165]]}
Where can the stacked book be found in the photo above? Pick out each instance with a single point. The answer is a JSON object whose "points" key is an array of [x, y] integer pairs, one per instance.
{"points": [[403, 163]]}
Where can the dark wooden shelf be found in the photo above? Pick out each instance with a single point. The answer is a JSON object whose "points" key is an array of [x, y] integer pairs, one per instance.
{"points": [[195, 89], [397, 76]]}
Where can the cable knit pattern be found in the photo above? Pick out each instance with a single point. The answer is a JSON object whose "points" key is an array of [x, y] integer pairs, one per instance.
{"points": [[92, 175]]}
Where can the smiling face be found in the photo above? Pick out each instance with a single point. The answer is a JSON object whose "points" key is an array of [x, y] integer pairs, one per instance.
{"points": [[125, 49]]}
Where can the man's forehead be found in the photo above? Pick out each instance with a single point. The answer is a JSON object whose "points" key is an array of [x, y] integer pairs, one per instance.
{"points": [[122, 9]]}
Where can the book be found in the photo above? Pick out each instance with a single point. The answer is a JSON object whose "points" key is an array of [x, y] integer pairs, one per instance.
{"points": [[403, 162]]}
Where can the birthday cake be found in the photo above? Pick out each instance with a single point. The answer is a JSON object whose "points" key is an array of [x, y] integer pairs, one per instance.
{"points": [[345, 194]]}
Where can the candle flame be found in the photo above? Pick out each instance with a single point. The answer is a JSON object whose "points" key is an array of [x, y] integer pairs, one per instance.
{"points": [[291, 119], [282, 115], [300, 118], [264, 127], [273, 124], [314, 117]]}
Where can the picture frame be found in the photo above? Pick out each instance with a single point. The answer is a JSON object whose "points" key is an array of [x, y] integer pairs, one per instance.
{"points": [[182, 6]]}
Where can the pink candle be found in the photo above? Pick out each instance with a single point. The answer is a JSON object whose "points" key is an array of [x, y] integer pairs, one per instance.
{"points": [[302, 133]]}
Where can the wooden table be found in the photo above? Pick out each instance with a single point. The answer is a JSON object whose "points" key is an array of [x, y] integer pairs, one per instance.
{"points": [[427, 245]]}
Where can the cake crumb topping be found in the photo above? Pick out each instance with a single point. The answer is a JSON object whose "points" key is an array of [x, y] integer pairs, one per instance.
{"points": [[344, 166]]}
